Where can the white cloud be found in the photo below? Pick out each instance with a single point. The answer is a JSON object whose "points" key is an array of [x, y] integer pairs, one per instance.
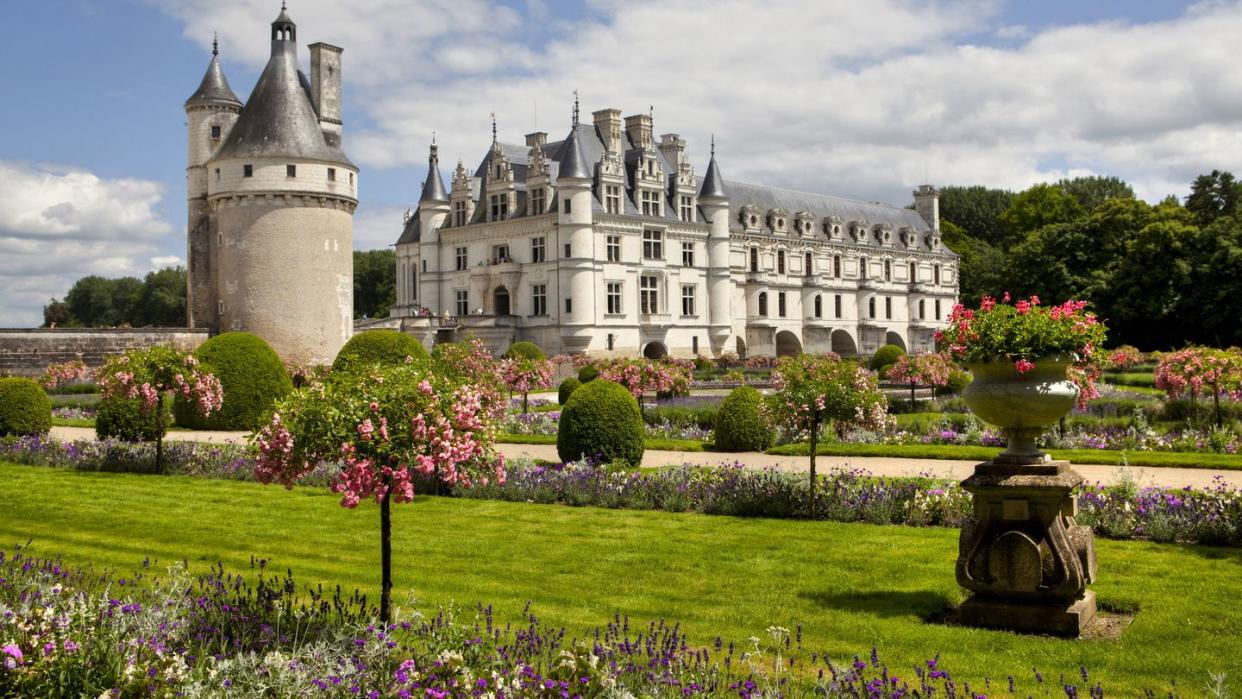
{"points": [[858, 99], [58, 224]]}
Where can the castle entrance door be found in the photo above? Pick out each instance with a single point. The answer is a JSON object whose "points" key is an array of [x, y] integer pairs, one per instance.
{"points": [[500, 301]]}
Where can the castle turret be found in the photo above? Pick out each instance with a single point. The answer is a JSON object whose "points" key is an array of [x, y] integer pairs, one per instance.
{"points": [[715, 205], [283, 195], [210, 114], [575, 221], [927, 204]]}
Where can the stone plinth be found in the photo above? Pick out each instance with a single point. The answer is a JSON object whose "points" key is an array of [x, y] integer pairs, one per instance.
{"points": [[1024, 558]]}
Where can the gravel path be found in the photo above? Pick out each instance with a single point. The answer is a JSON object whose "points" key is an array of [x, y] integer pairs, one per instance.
{"points": [[880, 466]]}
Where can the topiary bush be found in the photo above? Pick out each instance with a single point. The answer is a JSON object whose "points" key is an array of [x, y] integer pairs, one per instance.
{"points": [[743, 423], [958, 381], [123, 419], [252, 376], [24, 408], [378, 347], [601, 419], [588, 373], [884, 358], [567, 387], [524, 350]]}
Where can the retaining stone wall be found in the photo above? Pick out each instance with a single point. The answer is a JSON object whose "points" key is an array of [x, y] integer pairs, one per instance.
{"points": [[28, 351]]}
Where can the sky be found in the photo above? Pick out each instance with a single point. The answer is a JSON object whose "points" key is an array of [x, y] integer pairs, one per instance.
{"points": [[858, 99]]}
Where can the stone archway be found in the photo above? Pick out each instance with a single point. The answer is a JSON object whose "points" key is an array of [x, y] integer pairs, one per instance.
{"points": [[500, 301], [655, 350], [787, 344], [740, 347], [893, 338], [843, 344]]}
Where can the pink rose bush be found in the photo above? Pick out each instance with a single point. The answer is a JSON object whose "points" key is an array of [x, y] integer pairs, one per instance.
{"points": [[1026, 332], [1196, 371], [1124, 357], [646, 376], [522, 374], [922, 369], [383, 428], [65, 373]]}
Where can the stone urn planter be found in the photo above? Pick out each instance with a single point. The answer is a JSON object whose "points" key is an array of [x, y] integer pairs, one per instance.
{"points": [[1022, 405], [1022, 555]]}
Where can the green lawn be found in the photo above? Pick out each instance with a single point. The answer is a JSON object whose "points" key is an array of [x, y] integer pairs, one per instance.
{"points": [[656, 443], [849, 585], [971, 453]]}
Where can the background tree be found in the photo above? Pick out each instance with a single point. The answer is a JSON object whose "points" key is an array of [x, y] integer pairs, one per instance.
{"points": [[1041, 205], [1212, 312], [1092, 191], [923, 369], [1212, 196], [97, 302], [161, 300], [976, 210], [522, 374], [375, 282], [982, 267], [812, 389], [1147, 292], [56, 315]]}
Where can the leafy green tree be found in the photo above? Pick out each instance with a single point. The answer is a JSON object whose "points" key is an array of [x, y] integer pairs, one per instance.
{"points": [[1213, 309], [98, 302], [1147, 292], [1056, 263], [981, 266], [1093, 190], [1212, 196], [375, 282], [161, 301], [1041, 205], [977, 210], [56, 314]]}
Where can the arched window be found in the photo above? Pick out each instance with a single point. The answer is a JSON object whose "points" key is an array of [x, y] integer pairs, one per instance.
{"points": [[763, 303], [819, 306], [871, 307], [922, 309]]}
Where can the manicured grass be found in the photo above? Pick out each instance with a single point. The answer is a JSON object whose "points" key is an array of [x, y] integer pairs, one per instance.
{"points": [[1144, 390], [73, 422], [848, 585], [1132, 378], [973, 453], [657, 443]]}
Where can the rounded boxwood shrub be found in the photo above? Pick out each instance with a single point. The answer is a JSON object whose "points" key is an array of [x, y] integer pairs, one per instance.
{"points": [[567, 387], [122, 419], [587, 374], [601, 419], [251, 375], [24, 407], [742, 423], [884, 358], [958, 381], [378, 347], [524, 350]]}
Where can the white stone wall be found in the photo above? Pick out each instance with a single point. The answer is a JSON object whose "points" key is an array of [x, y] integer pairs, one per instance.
{"points": [[227, 177]]}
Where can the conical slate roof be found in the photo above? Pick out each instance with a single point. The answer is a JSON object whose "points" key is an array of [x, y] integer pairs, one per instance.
{"points": [[214, 89], [713, 183], [572, 161], [279, 120], [433, 186]]}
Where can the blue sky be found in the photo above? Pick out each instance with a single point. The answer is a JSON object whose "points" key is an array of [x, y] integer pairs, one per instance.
{"points": [[848, 98]]}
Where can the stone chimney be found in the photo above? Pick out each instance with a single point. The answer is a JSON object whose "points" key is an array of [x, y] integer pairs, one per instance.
{"points": [[608, 126], [537, 139], [638, 128], [673, 146], [927, 204], [325, 80]]}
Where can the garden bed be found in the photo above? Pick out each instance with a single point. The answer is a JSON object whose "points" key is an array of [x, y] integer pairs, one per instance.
{"points": [[838, 587], [1108, 457]]}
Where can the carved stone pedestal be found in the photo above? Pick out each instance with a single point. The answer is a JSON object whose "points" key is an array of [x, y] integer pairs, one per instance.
{"points": [[1024, 558]]}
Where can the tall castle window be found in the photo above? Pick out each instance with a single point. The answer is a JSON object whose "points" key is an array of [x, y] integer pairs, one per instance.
{"points": [[539, 299], [537, 204], [937, 309], [836, 266], [687, 299], [463, 303], [614, 248], [687, 254], [819, 306], [247, 171], [653, 245], [687, 208], [754, 259], [862, 269], [836, 305], [914, 273], [888, 270], [763, 303], [332, 174], [922, 309], [651, 203], [780, 261], [648, 294], [871, 307], [459, 213], [612, 199], [613, 296], [780, 304], [936, 274], [215, 132], [888, 307], [291, 171], [538, 250], [461, 259], [569, 206], [809, 264]]}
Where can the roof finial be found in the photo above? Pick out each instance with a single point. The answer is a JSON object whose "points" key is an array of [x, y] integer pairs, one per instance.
{"points": [[494, 141], [215, 43], [435, 150], [713, 145], [282, 5], [575, 109]]}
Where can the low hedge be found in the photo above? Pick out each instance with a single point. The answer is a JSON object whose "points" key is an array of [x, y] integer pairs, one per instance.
{"points": [[378, 347], [742, 423], [24, 407], [601, 419], [884, 358], [702, 416], [587, 374]]}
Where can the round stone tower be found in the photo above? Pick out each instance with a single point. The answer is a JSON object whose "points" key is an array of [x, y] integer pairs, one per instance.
{"points": [[282, 194], [575, 220]]}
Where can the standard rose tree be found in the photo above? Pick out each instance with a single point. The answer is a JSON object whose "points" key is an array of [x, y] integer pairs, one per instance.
{"points": [[521, 374], [923, 369], [814, 389], [1196, 371], [379, 430], [147, 376]]}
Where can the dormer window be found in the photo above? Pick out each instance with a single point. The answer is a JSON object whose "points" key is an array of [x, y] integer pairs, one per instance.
{"points": [[754, 221], [650, 203], [537, 201]]}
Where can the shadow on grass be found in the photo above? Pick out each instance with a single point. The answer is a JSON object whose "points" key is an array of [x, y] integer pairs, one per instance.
{"points": [[886, 603]]}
